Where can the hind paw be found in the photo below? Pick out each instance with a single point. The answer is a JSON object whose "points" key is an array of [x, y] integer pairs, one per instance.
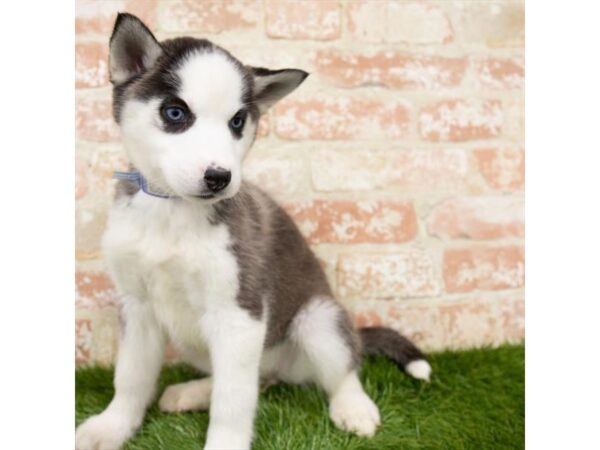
{"points": [[356, 413], [190, 396]]}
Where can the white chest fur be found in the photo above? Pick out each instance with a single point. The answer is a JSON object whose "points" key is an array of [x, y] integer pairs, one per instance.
{"points": [[167, 253]]}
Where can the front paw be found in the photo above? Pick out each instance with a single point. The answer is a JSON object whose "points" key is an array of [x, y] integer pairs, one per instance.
{"points": [[227, 445], [106, 431], [227, 439]]}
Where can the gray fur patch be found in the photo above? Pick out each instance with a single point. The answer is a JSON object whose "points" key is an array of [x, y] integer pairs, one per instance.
{"points": [[276, 264]]}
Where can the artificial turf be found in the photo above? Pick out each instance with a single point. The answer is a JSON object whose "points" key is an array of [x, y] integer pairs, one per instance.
{"points": [[475, 400]]}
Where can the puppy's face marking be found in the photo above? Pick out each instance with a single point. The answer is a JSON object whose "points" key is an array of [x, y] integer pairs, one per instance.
{"points": [[174, 137], [188, 110]]}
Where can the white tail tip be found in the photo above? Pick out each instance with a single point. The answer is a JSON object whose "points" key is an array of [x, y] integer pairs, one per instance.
{"points": [[419, 369]]}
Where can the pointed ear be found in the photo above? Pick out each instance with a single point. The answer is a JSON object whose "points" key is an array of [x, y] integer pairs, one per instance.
{"points": [[133, 48], [270, 86]]}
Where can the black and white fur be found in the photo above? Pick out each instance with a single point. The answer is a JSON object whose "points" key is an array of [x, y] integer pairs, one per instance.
{"points": [[224, 274]]}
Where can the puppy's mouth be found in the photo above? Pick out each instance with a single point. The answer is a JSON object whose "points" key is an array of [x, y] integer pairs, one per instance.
{"points": [[205, 195]]}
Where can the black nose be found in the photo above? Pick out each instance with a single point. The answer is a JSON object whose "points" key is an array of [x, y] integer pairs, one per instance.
{"points": [[217, 179]]}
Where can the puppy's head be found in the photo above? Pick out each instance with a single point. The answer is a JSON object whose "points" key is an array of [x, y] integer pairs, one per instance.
{"points": [[188, 110]]}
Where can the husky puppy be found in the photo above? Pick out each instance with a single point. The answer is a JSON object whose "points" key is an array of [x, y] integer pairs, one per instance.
{"points": [[210, 262]]}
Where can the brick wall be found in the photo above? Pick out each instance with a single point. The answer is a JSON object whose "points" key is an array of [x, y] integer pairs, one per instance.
{"points": [[401, 158]]}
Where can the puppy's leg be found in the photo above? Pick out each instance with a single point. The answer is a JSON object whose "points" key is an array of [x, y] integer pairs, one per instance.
{"points": [[138, 365], [191, 396], [235, 341], [351, 409], [323, 331]]}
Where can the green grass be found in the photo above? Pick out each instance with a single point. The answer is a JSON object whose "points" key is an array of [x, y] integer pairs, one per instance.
{"points": [[474, 401]]}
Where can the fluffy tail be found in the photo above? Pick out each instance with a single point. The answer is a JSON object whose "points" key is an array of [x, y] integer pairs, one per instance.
{"points": [[389, 343]]}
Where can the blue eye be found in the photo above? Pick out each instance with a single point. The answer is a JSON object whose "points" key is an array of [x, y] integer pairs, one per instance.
{"points": [[236, 123], [174, 114]]}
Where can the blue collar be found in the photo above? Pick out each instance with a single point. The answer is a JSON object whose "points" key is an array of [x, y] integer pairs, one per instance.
{"points": [[136, 178]]}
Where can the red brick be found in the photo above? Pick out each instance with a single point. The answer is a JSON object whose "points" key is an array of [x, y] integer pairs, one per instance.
{"points": [[512, 319], [420, 170], [279, 175], [477, 218], [491, 23], [369, 317], [98, 16], [102, 163], [291, 19], [515, 118], [94, 120], [349, 222], [502, 169], [94, 290], [461, 120], [91, 211], [484, 268], [90, 222], [410, 273], [419, 323], [209, 16], [500, 73], [328, 260], [392, 21], [81, 184], [389, 68], [342, 118], [367, 20], [83, 341], [272, 53], [436, 326], [91, 64], [471, 323], [106, 326], [466, 323]]}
